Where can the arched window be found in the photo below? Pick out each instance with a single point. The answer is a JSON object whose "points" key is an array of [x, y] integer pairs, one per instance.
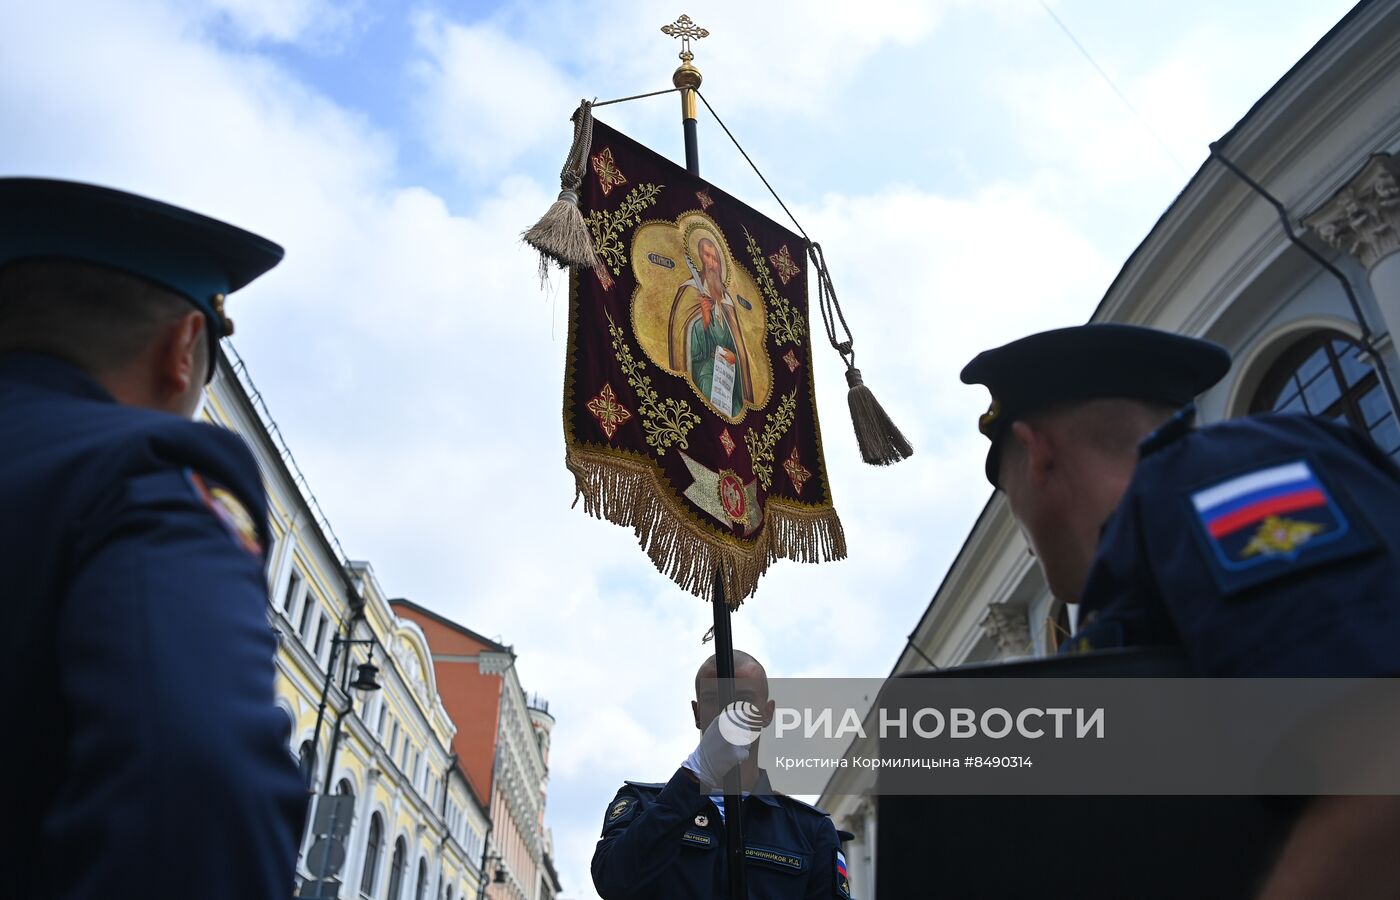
{"points": [[1323, 375], [369, 874], [421, 891], [396, 868]]}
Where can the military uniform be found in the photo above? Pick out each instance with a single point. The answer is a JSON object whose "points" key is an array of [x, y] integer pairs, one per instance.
{"points": [[145, 755], [666, 841], [1260, 546], [1268, 545]]}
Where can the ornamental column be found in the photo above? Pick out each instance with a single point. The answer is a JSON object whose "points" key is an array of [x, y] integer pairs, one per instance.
{"points": [[1010, 629], [1363, 219]]}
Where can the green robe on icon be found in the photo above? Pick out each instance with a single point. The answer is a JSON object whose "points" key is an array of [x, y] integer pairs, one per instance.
{"points": [[701, 353]]}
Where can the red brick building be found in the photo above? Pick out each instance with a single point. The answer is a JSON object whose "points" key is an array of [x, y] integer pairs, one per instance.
{"points": [[502, 743]]}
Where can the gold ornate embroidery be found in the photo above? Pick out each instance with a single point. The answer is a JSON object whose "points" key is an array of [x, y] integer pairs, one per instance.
{"points": [[664, 422], [796, 471], [774, 427], [607, 225], [785, 324], [727, 442], [608, 411], [609, 175], [782, 261]]}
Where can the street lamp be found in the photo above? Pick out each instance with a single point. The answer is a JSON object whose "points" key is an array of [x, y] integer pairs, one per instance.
{"points": [[333, 815], [498, 878], [364, 681]]}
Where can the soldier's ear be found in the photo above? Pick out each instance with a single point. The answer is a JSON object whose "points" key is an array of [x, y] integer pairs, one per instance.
{"points": [[180, 352], [1037, 449]]}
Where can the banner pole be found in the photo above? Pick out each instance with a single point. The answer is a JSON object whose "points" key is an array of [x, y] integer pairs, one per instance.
{"points": [[687, 79], [733, 788]]}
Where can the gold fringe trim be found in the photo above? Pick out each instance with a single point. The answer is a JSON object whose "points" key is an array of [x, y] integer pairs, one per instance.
{"points": [[637, 495]]}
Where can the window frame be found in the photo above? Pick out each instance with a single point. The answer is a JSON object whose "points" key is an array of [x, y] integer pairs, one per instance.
{"points": [[295, 585], [1283, 378], [374, 847]]}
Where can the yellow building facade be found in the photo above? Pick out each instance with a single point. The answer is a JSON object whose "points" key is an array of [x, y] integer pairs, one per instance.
{"points": [[415, 829]]}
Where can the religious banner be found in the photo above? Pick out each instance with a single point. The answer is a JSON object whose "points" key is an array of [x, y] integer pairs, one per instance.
{"points": [[689, 409]]}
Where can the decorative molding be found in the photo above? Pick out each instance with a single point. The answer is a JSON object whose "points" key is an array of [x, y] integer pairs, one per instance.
{"points": [[1010, 627], [493, 663], [1363, 218]]}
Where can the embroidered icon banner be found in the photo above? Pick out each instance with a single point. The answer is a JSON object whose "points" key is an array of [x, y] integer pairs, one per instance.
{"points": [[689, 409]]}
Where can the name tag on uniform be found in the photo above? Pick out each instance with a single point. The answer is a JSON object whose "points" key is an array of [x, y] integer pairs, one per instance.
{"points": [[698, 839], [785, 860]]}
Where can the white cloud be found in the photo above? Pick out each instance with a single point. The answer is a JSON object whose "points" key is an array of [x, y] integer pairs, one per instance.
{"points": [[496, 89], [287, 21], [1186, 94], [416, 369], [487, 98]]}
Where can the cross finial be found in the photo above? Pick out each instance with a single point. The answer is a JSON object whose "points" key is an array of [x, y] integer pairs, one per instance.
{"points": [[686, 30]]}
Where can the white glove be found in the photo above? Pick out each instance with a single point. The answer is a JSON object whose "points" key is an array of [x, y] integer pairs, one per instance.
{"points": [[725, 743]]}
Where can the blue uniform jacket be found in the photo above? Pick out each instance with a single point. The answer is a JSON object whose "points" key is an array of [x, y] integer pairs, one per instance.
{"points": [[666, 841], [1268, 545], [143, 751]]}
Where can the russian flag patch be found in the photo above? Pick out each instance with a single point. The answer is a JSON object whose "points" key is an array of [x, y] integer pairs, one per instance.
{"points": [[1260, 523]]}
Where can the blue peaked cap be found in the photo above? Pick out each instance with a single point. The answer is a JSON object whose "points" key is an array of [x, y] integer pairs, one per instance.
{"points": [[199, 258], [1088, 362]]}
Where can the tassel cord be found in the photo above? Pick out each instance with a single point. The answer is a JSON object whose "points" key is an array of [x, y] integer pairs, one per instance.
{"points": [[830, 307], [571, 176], [827, 303], [740, 147], [880, 440]]}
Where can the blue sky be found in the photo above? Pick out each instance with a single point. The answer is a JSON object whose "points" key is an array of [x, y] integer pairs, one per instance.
{"points": [[970, 175]]}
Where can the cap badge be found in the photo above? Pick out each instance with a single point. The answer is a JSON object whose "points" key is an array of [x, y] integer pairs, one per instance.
{"points": [[217, 301], [985, 421]]}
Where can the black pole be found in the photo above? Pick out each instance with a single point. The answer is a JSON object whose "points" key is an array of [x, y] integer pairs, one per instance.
{"points": [[692, 148], [321, 716], [733, 787], [339, 718], [724, 642]]}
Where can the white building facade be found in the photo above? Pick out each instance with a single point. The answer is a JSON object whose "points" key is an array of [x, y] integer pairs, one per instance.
{"points": [[1325, 141]]}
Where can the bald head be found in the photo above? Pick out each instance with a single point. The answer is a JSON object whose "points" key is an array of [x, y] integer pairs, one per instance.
{"points": [[745, 667], [750, 684]]}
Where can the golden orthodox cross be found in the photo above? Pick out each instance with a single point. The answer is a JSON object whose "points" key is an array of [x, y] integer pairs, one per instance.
{"points": [[687, 31]]}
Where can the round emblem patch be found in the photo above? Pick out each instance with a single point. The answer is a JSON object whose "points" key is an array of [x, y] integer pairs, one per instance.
{"points": [[732, 496]]}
